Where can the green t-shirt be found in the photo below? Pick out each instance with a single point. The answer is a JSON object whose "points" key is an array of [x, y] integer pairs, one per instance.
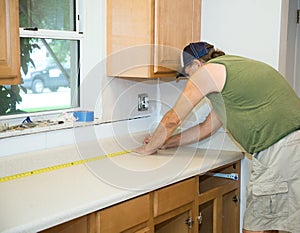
{"points": [[257, 105]]}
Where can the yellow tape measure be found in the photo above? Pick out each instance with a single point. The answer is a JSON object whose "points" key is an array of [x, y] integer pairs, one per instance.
{"points": [[60, 166]]}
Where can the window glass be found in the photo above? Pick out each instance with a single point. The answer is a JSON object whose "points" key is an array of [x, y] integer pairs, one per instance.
{"points": [[49, 59], [51, 79], [47, 14]]}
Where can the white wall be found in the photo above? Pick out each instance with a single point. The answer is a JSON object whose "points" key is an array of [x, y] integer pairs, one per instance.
{"points": [[244, 27]]}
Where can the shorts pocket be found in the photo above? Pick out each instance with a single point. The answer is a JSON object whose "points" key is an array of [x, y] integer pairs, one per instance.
{"points": [[270, 199]]}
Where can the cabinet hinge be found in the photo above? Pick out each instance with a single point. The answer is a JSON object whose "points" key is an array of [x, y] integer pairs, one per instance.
{"points": [[200, 218], [189, 221], [298, 16], [235, 199]]}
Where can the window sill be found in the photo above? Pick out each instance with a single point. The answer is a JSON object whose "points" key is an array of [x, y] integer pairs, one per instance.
{"points": [[45, 128], [54, 126]]}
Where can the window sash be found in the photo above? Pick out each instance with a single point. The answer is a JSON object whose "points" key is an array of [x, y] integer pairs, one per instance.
{"points": [[51, 34], [75, 35]]}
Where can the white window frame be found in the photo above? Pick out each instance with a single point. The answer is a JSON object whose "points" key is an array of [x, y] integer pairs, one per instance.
{"points": [[56, 34], [77, 35]]}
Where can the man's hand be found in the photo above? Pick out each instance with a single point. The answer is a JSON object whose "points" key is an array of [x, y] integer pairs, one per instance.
{"points": [[171, 142], [143, 150]]}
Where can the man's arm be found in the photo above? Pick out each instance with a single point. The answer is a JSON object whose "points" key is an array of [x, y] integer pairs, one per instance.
{"points": [[198, 86], [196, 133]]}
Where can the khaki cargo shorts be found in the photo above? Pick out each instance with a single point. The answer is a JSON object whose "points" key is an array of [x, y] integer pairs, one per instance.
{"points": [[273, 192]]}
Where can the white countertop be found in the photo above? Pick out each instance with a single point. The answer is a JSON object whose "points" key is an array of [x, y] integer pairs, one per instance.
{"points": [[37, 202]]}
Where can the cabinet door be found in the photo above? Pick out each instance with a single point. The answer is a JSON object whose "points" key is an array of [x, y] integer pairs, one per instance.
{"points": [[9, 42], [177, 24], [129, 28]]}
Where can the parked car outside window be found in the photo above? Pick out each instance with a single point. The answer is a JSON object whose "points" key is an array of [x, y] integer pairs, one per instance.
{"points": [[51, 77]]}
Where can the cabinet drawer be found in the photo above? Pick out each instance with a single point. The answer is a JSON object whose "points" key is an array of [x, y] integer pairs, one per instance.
{"points": [[125, 215], [174, 196]]}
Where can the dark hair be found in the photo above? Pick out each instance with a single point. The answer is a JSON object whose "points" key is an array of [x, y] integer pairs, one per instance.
{"points": [[212, 53], [202, 51]]}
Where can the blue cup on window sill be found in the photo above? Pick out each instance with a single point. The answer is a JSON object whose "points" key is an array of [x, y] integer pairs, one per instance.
{"points": [[84, 116]]}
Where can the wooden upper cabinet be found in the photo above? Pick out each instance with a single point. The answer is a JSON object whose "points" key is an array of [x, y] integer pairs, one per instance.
{"points": [[145, 37], [9, 42]]}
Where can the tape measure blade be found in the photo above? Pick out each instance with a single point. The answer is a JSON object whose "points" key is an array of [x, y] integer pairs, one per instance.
{"points": [[60, 166]]}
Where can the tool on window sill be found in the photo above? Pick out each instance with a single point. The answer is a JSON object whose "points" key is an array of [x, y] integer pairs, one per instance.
{"points": [[27, 120], [232, 176], [27, 123]]}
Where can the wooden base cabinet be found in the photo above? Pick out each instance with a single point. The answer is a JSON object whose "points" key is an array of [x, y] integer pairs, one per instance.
{"points": [[201, 204]]}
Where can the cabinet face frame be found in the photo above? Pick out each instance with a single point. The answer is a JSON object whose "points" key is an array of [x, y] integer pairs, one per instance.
{"points": [[9, 43]]}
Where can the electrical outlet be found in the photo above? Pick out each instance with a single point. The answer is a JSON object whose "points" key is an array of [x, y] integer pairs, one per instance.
{"points": [[143, 102]]}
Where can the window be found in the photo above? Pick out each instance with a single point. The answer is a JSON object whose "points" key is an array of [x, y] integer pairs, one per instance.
{"points": [[50, 46]]}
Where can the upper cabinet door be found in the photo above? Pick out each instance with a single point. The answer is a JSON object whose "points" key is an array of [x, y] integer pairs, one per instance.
{"points": [[145, 37], [9, 43], [177, 23], [129, 32]]}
